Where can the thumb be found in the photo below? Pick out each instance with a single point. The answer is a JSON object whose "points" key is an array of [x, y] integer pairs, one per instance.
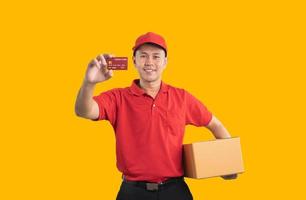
{"points": [[109, 73]]}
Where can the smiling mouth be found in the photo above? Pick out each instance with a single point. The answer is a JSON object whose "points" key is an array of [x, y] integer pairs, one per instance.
{"points": [[149, 70]]}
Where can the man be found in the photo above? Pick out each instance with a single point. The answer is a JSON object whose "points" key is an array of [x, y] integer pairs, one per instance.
{"points": [[149, 119]]}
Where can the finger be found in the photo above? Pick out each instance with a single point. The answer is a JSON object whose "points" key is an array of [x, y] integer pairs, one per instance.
{"points": [[101, 60], [110, 73], [107, 55], [94, 63], [103, 63]]}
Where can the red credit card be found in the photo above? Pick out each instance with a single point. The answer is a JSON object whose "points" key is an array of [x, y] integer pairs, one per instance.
{"points": [[117, 63]]}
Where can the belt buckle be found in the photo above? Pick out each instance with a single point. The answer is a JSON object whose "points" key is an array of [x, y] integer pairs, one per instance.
{"points": [[152, 186]]}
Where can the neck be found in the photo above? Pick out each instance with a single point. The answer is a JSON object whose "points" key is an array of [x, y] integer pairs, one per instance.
{"points": [[150, 86]]}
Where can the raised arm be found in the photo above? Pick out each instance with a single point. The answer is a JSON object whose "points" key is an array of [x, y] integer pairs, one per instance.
{"points": [[96, 72]]}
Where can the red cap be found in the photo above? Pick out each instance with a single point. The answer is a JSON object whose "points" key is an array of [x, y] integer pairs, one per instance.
{"points": [[151, 37]]}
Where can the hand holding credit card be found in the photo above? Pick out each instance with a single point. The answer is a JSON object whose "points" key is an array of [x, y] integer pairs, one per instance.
{"points": [[117, 63]]}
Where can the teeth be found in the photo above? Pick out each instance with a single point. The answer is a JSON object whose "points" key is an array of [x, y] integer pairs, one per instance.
{"points": [[148, 70]]}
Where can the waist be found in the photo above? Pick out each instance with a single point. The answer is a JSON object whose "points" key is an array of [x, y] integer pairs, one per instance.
{"points": [[154, 186]]}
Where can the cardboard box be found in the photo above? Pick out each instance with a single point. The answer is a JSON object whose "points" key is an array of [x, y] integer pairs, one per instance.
{"points": [[213, 158]]}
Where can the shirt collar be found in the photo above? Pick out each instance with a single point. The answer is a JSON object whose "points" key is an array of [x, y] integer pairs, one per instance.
{"points": [[135, 89]]}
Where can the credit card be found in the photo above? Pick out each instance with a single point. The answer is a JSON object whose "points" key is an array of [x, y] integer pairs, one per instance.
{"points": [[117, 63]]}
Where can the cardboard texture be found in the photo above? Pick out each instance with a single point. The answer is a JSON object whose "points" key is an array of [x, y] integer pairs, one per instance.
{"points": [[213, 158]]}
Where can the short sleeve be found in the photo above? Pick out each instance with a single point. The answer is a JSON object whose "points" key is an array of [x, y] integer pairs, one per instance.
{"points": [[107, 102], [196, 112]]}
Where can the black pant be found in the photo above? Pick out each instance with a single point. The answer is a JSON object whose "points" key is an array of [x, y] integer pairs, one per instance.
{"points": [[176, 191]]}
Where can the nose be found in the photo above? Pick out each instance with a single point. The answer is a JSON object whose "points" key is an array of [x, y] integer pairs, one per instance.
{"points": [[149, 61]]}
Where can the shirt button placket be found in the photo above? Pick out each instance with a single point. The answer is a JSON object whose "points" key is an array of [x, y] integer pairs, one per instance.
{"points": [[153, 108]]}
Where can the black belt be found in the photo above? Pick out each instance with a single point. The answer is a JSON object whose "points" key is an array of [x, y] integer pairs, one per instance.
{"points": [[154, 186]]}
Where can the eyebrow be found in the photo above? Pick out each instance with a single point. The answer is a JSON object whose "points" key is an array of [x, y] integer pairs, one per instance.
{"points": [[143, 52]]}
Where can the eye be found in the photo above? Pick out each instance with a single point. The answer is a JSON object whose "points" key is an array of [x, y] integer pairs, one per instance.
{"points": [[156, 57]]}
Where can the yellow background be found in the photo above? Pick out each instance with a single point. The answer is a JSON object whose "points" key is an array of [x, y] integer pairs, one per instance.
{"points": [[244, 59]]}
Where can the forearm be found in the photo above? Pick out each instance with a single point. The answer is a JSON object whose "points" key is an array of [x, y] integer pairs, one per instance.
{"points": [[84, 101], [220, 132], [217, 128]]}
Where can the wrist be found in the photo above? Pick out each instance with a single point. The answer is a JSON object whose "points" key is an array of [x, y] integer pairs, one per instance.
{"points": [[88, 84]]}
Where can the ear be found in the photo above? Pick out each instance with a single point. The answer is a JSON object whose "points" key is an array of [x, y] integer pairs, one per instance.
{"points": [[166, 61], [134, 60]]}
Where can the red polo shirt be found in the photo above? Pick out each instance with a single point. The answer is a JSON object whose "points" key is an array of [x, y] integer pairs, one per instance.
{"points": [[149, 132]]}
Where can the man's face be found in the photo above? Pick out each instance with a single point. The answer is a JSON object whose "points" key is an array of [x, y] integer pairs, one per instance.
{"points": [[150, 61]]}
